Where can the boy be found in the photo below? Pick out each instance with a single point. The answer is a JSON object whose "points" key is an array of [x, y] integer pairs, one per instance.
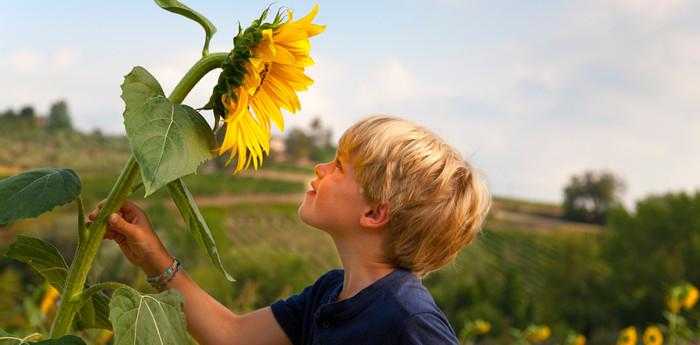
{"points": [[398, 202]]}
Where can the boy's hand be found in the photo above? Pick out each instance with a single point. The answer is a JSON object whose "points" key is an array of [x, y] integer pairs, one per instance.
{"points": [[132, 231]]}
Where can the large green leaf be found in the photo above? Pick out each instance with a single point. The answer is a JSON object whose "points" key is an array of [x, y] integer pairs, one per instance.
{"points": [[34, 192], [146, 319], [139, 85], [44, 258], [195, 222], [168, 140], [181, 9], [9, 339]]}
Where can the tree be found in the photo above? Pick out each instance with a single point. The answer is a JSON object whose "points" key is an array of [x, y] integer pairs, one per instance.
{"points": [[588, 197], [27, 114], [298, 144], [323, 150], [59, 117]]}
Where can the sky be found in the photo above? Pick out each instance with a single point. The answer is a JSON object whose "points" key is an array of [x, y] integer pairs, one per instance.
{"points": [[529, 92]]}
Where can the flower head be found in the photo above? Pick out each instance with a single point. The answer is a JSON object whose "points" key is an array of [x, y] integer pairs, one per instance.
{"points": [[260, 77], [691, 297], [49, 300], [537, 334], [652, 336], [682, 296], [481, 326], [628, 336], [575, 339]]}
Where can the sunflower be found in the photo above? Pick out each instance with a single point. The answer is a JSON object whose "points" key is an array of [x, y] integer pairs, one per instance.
{"points": [[482, 327], [49, 300], [691, 297], [261, 77], [576, 339], [537, 334], [628, 336], [652, 336]]}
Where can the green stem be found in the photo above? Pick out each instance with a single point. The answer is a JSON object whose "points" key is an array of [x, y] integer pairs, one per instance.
{"points": [[82, 231], [87, 250], [196, 72]]}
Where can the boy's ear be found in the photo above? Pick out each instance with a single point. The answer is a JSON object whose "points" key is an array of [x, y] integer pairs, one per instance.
{"points": [[375, 216]]}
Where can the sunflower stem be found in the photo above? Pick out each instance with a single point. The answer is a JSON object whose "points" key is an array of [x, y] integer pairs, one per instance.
{"points": [[89, 246]]}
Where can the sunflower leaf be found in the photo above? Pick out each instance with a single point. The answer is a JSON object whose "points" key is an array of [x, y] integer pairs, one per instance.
{"points": [[195, 222], [9, 339], [44, 258], [181, 9], [144, 319], [34, 192], [168, 140], [64, 340]]}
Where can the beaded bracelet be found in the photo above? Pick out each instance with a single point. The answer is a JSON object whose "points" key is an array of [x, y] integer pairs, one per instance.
{"points": [[159, 282]]}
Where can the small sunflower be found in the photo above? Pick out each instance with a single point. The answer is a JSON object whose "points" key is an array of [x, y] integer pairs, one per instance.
{"points": [[653, 336], [691, 297], [481, 326], [537, 334], [628, 336], [682, 296], [48, 302], [260, 77]]}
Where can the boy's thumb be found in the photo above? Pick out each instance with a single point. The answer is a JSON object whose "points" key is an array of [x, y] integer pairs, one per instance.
{"points": [[118, 224]]}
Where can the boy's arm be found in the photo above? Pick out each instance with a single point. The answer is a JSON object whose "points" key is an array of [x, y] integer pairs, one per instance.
{"points": [[208, 321], [211, 323]]}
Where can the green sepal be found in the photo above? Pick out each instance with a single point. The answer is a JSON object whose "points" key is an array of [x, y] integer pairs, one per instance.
{"points": [[34, 192]]}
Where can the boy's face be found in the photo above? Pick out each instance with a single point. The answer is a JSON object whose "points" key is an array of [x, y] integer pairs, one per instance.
{"points": [[334, 203]]}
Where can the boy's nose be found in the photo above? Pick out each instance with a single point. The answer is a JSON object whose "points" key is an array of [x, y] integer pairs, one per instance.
{"points": [[321, 169]]}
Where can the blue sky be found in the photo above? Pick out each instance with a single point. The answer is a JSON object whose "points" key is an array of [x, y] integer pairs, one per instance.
{"points": [[529, 92]]}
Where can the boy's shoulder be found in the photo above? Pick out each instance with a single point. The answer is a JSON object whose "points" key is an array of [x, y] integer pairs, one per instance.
{"points": [[401, 289]]}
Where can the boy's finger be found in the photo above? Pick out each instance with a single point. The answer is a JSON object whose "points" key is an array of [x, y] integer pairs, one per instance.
{"points": [[121, 226], [130, 211]]}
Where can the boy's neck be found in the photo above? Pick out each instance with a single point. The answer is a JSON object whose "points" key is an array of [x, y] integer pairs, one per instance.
{"points": [[362, 264]]}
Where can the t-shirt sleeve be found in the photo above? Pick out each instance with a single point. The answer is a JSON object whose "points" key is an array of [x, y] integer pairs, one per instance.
{"points": [[289, 313], [427, 329]]}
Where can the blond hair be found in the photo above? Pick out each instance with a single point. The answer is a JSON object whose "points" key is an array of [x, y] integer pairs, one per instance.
{"points": [[437, 201]]}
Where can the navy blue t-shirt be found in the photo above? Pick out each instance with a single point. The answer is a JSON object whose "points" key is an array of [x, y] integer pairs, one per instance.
{"points": [[396, 309]]}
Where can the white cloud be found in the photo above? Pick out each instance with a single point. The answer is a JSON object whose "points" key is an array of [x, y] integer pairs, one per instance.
{"points": [[23, 61]]}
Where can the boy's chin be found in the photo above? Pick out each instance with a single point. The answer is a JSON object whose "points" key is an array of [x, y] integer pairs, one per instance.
{"points": [[309, 220]]}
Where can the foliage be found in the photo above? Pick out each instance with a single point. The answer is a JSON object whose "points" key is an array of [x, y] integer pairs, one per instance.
{"points": [[36, 191], [588, 197], [314, 145], [650, 250], [147, 318], [59, 117], [168, 140]]}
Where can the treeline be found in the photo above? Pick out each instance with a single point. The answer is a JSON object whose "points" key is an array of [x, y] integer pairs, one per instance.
{"points": [[26, 117]]}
